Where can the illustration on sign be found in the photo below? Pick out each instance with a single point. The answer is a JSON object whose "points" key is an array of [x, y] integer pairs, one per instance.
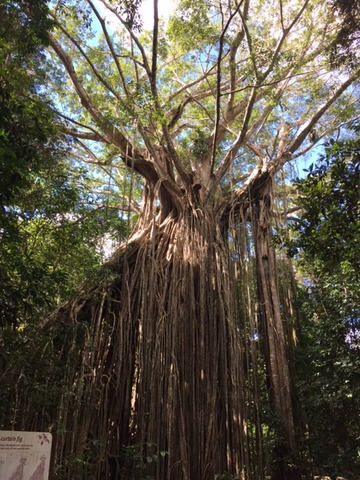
{"points": [[25, 455]]}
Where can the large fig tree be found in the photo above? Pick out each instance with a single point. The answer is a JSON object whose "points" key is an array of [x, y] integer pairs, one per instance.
{"points": [[191, 121]]}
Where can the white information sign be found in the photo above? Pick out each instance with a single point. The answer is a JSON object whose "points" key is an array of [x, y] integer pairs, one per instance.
{"points": [[25, 455]]}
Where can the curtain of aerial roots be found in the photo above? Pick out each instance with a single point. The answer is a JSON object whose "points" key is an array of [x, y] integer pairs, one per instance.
{"points": [[161, 365], [272, 317], [253, 363]]}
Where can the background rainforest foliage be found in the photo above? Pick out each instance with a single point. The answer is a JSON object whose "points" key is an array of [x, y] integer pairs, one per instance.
{"points": [[179, 234]]}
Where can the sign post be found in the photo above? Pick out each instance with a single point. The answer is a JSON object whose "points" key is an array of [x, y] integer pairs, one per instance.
{"points": [[25, 455]]}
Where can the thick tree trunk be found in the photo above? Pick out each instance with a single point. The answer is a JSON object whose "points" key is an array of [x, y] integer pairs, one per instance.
{"points": [[161, 363], [187, 375]]}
